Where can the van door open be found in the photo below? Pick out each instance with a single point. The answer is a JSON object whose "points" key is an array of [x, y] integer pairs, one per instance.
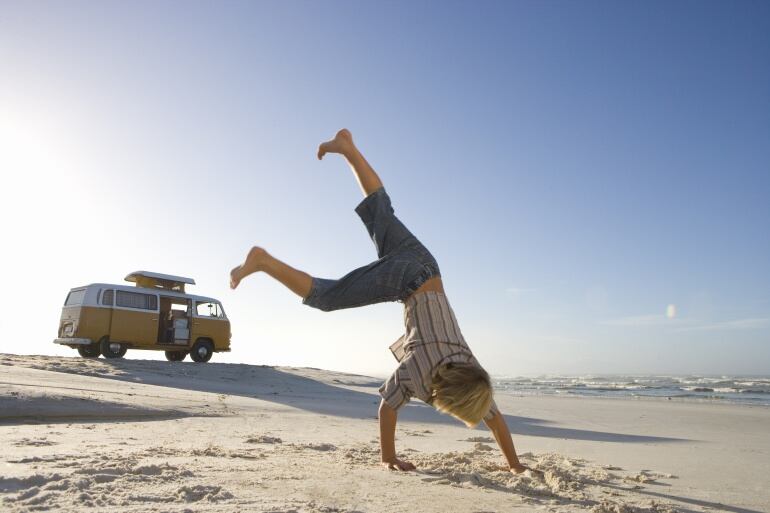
{"points": [[135, 318], [174, 325]]}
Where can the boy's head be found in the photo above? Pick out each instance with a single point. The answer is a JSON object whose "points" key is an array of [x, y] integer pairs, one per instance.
{"points": [[462, 390]]}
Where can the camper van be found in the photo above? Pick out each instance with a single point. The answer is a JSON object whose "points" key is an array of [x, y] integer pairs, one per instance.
{"points": [[156, 313]]}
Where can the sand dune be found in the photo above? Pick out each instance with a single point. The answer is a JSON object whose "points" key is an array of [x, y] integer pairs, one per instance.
{"points": [[134, 435]]}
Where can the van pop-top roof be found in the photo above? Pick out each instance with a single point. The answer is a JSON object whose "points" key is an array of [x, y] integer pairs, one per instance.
{"points": [[148, 280]]}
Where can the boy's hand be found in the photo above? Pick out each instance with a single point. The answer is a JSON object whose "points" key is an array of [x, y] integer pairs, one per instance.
{"points": [[397, 464], [518, 469]]}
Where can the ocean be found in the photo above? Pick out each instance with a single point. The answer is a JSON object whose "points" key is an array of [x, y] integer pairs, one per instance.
{"points": [[717, 389]]}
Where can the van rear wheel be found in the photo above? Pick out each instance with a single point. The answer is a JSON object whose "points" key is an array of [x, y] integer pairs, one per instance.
{"points": [[112, 349], [89, 351], [201, 351], [175, 356]]}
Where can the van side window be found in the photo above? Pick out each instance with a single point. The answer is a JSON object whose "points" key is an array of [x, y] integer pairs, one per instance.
{"points": [[107, 297], [136, 300]]}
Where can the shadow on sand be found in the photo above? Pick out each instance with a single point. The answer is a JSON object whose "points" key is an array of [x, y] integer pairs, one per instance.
{"points": [[333, 394], [716, 506]]}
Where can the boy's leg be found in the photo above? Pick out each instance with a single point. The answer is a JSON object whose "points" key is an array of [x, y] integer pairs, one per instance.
{"points": [[387, 231], [410, 263], [258, 259], [373, 283]]}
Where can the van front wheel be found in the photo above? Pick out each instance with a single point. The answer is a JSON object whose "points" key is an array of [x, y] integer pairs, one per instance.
{"points": [[89, 351], [112, 349], [201, 351]]}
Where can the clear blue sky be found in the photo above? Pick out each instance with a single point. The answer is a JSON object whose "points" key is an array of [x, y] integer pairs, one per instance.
{"points": [[576, 168]]}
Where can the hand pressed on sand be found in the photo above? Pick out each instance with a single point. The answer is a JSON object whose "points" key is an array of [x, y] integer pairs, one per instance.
{"points": [[397, 464]]}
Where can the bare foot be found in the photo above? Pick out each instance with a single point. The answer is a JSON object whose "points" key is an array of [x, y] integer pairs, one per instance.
{"points": [[342, 143], [254, 263]]}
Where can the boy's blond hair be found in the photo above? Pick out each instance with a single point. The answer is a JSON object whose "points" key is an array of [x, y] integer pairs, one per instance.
{"points": [[462, 390]]}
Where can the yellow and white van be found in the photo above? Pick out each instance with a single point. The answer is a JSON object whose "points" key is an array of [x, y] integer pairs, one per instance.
{"points": [[156, 314]]}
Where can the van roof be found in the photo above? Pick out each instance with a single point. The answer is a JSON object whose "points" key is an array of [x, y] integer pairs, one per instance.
{"points": [[163, 292], [132, 277]]}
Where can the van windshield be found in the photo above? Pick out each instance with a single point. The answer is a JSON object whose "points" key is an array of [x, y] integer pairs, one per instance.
{"points": [[75, 297]]}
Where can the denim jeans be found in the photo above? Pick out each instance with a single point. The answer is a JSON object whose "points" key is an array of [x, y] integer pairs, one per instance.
{"points": [[404, 264]]}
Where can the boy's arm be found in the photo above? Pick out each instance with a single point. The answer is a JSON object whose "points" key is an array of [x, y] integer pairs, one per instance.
{"points": [[503, 436], [388, 418]]}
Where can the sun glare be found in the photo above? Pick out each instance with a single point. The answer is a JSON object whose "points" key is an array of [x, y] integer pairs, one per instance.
{"points": [[39, 161]]}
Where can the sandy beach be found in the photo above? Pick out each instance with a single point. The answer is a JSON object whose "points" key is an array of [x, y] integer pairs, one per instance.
{"points": [[138, 435]]}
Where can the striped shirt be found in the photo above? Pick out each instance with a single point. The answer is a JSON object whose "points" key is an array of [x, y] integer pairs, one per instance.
{"points": [[432, 339]]}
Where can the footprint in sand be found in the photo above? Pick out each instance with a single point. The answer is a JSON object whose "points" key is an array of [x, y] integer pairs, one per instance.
{"points": [[483, 439], [26, 442], [264, 439], [319, 447]]}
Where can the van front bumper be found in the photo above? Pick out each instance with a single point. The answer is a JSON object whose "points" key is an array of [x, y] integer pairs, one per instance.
{"points": [[73, 341]]}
